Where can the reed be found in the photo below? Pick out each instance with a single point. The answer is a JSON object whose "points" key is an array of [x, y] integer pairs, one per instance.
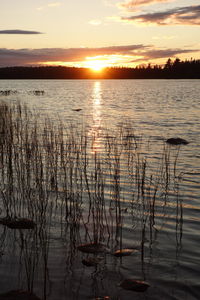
{"points": [[49, 173]]}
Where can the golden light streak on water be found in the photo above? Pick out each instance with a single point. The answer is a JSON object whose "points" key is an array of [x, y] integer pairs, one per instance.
{"points": [[96, 128]]}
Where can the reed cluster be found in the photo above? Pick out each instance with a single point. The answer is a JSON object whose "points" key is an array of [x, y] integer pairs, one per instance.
{"points": [[52, 174]]}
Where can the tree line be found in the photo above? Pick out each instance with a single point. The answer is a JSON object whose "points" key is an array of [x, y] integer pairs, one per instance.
{"points": [[177, 69]]}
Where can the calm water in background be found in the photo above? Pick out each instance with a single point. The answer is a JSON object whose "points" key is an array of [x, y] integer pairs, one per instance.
{"points": [[156, 109]]}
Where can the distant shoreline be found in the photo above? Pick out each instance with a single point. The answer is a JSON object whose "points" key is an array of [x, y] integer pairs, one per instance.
{"points": [[90, 79], [171, 70]]}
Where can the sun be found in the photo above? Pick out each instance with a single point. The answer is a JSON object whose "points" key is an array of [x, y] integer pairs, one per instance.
{"points": [[96, 65]]}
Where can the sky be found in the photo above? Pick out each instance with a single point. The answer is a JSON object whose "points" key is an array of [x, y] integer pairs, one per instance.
{"points": [[98, 33]]}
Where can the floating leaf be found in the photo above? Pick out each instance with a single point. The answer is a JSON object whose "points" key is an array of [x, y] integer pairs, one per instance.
{"points": [[134, 285], [124, 252], [92, 248], [177, 141]]}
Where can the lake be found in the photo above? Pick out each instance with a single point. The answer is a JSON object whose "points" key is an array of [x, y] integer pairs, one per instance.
{"points": [[128, 190]]}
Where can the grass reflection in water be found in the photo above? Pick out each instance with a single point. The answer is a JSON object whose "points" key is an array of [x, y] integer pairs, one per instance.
{"points": [[111, 198]]}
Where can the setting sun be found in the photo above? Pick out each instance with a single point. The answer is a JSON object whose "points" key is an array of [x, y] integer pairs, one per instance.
{"points": [[96, 65]]}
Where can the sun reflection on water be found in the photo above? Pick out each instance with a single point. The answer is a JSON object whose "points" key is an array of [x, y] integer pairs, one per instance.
{"points": [[96, 128]]}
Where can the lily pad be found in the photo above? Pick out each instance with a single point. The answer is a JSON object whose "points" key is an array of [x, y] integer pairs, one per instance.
{"points": [[177, 141], [92, 248], [18, 295], [134, 285], [124, 252]]}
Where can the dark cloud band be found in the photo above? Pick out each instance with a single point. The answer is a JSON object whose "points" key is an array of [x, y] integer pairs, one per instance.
{"points": [[17, 31], [34, 56], [19, 57], [189, 15], [162, 53]]}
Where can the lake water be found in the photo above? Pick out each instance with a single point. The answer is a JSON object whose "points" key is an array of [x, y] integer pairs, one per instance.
{"points": [[168, 251]]}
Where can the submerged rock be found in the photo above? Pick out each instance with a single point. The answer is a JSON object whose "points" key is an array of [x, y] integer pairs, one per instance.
{"points": [[18, 295], [7, 92], [77, 109], [21, 223], [102, 298], [177, 141], [134, 285], [124, 252], [38, 93], [92, 248], [91, 261]]}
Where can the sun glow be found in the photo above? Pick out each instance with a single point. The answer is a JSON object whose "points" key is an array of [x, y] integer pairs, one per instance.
{"points": [[96, 65]]}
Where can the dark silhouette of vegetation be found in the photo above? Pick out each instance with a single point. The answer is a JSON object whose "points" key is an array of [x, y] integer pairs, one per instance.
{"points": [[177, 69], [66, 206]]}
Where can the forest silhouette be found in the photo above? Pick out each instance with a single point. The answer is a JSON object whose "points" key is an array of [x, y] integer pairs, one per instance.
{"points": [[177, 69]]}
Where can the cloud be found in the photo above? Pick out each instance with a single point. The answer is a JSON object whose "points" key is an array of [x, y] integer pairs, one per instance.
{"points": [[50, 5], [95, 22], [54, 4], [35, 56], [133, 4], [189, 15], [17, 31], [164, 37], [128, 53], [162, 53], [110, 3]]}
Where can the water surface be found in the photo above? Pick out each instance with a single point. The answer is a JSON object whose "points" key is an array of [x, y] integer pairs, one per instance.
{"points": [[155, 110]]}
